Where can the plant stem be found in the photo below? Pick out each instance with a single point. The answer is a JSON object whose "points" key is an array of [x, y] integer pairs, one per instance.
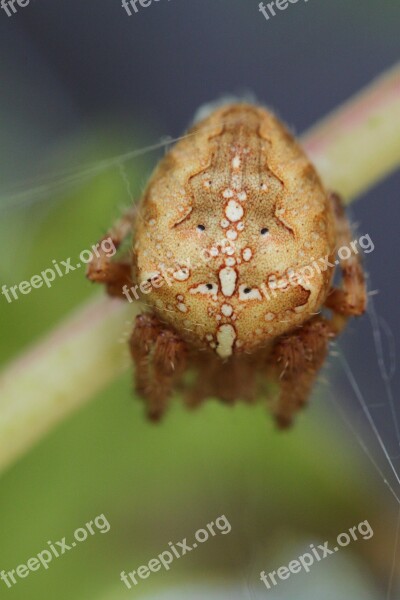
{"points": [[353, 148], [359, 143], [58, 375]]}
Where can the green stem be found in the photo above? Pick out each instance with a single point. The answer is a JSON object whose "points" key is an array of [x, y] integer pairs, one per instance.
{"points": [[353, 148]]}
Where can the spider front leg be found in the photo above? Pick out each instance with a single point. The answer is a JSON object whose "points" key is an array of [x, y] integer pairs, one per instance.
{"points": [[159, 356], [294, 364], [102, 269], [351, 299]]}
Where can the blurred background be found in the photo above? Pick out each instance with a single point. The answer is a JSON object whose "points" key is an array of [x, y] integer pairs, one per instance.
{"points": [[82, 82]]}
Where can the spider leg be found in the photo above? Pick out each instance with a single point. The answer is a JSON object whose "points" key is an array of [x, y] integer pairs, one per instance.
{"points": [[160, 360], [202, 386], [297, 357], [102, 269], [228, 381], [294, 364], [351, 299]]}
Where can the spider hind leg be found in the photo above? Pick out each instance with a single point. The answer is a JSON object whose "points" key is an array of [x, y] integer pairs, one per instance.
{"points": [[295, 362], [160, 361]]}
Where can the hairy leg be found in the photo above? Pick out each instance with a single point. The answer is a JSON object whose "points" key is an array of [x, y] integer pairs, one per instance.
{"points": [[206, 369], [351, 299], [228, 381], [160, 360], [102, 269], [297, 357], [294, 363]]}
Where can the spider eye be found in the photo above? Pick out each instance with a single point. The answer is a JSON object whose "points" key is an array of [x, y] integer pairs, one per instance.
{"points": [[247, 290], [209, 286], [264, 231], [201, 228]]}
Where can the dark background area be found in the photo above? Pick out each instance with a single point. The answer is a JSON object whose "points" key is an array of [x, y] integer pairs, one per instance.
{"points": [[68, 63]]}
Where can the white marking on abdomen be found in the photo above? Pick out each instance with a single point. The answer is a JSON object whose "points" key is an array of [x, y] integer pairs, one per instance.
{"points": [[228, 193], [247, 254], [182, 274], [227, 310], [226, 336], [231, 234], [236, 162], [227, 277], [234, 211], [253, 294], [208, 289]]}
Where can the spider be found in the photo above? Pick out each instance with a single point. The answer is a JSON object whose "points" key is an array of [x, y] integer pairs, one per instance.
{"points": [[235, 214]]}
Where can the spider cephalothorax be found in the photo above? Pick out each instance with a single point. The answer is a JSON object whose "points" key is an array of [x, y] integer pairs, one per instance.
{"points": [[228, 241]]}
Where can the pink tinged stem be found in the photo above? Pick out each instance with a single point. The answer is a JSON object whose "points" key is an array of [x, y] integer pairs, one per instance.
{"points": [[359, 143]]}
